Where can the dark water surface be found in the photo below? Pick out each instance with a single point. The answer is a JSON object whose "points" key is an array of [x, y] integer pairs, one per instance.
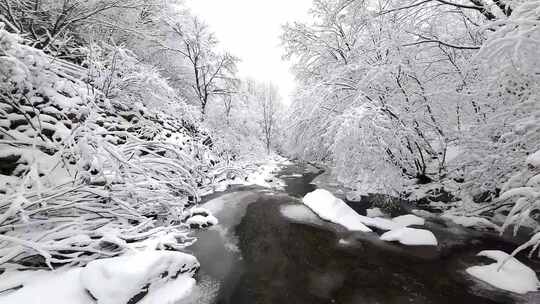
{"points": [[256, 255]]}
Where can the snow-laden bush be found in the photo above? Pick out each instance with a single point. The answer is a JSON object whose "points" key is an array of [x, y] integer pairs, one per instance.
{"points": [[523, 193], [83, 176], [512, 53], [120, 75], [363, 135], [509, 100]]}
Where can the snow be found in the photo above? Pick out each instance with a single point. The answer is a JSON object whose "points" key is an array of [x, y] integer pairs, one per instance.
{"points": [[291, 176], [471, 221], [410, 236], [311, 169], [379, 222], [221, 187], [374, 212], [534, 159], [116, 280], [264, 176], [161, 240], [202, 221], [344, 242], [42, 286], [332, 209], [7, 181], [408, 220], [110, 281], [512, 276], [216, 205], [299, 213], [392, 224], [422, 213], [171, 292]]}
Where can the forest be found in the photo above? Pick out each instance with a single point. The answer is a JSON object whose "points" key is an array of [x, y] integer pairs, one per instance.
{"points": [[140, 164]]}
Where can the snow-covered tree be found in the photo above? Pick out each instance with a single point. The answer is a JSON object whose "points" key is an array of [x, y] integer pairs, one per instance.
{"points": [[213, 73], [396, 93], [61, 27]]}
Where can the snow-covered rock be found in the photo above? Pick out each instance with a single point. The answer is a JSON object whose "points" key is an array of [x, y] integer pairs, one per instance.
{"points": [[408, 220], [201, 221], [534, 159], [300, 214], [332, 209], [392, 224], [379, 223], [117, 280], [513, 276], [264, 174], [374, 212], [201, 218], [410, 236], [422, 213]]}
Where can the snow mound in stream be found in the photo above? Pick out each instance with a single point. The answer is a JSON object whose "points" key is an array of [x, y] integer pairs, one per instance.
{"points": [[408, 220], [513, 276], [410, 236], [374, 212], [300, 214], [332, 209]]}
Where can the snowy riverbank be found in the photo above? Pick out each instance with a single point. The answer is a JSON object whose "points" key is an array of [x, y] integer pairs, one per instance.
{"points": [[149, 276], [144, 274]]}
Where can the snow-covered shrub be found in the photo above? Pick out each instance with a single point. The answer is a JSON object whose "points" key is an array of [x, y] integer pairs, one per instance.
{"points": [[84, 176], [508, 97], [523, 193], [374, 154], [120, 75]]}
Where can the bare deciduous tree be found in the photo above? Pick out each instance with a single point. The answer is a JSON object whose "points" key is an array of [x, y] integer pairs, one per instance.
{"points": [[213, 73], [269, 102]]}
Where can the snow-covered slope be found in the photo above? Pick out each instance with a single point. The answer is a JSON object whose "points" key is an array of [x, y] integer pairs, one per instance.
{"points": [[84, 176]]}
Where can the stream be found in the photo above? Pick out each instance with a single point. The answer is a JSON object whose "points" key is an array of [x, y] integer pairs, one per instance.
{"points": [[258, 254]]}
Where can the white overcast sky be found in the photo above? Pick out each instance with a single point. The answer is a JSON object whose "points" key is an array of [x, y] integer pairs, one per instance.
{"points": [[250, 29]]}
